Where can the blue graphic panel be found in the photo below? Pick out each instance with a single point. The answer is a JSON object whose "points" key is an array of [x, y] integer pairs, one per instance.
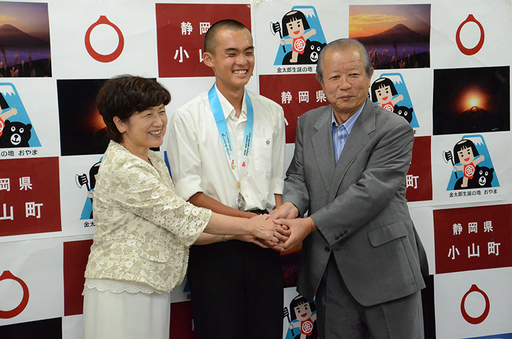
{"points": [[484, 174], [398, 101], [313, 34], [17, 130]]}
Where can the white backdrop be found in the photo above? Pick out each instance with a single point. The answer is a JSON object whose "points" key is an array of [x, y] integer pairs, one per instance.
{"points": [[46, 248]]}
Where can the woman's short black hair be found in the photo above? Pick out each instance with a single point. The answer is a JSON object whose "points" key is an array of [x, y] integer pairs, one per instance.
{"points": [[124, 95]]}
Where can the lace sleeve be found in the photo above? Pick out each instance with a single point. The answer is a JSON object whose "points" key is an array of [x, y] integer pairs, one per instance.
{"points": [[140, 189]]}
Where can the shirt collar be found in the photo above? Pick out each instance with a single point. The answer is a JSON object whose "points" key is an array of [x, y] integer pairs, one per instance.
{"points": [[350, 121], [228, 109]]}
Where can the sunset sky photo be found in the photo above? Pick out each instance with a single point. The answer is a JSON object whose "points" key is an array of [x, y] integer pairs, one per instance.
{"points": [[82, 130], [29, 17], [396, 36], [471, 100], [24, 40], [370, 20]]}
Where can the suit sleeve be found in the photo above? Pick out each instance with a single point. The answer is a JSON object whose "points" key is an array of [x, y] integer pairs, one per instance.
{"points": [[387, 163]]}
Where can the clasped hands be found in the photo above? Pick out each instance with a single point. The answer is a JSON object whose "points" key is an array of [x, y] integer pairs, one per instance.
{"points": [[289, 230]]}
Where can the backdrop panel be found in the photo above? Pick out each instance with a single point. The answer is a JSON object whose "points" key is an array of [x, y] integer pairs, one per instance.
{"points": [[447, 63]]}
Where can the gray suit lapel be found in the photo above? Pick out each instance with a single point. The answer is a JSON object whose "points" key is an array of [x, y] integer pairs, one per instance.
{"points": [[357, 140], [323, 147]]}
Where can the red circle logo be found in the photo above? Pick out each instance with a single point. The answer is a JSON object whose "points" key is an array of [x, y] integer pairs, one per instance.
{"points": [[474, 50], [24, 301], [484, 315], [102, 57]]}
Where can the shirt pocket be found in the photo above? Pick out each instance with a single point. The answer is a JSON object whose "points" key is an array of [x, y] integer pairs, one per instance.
{"points": [[261, 158]]}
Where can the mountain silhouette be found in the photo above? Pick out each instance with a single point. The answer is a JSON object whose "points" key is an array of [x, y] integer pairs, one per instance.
{"points": [[477, 119], [473, 120], [398, 34], [11, 36]]}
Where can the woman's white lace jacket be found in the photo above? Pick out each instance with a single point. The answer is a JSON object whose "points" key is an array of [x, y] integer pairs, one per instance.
{"points": [[143, 229]]}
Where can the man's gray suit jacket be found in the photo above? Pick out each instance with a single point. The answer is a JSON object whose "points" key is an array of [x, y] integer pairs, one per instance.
{"points": [[358, 205]]}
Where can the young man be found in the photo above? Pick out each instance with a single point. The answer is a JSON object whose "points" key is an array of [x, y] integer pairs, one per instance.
{"points": [[226, 151]]}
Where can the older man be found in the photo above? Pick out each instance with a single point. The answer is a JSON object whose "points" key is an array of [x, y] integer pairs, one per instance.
{"points": [[361, 253]]}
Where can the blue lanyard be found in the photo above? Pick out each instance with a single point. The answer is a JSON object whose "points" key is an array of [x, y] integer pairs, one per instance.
{"points": [[222, 126]]}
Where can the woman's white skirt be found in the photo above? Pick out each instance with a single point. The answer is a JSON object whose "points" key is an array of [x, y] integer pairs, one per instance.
{"points": [[126, 315]]}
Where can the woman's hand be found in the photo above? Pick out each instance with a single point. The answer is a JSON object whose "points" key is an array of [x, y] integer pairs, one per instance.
{"points": [[263, 229]]}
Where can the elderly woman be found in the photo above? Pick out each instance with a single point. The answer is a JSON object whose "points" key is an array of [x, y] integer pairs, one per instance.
{"points": [[143, 229]]}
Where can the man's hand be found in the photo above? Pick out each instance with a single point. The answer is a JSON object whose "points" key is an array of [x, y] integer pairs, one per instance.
{"points": [[300, 229], [283, 232], [285, 211]]}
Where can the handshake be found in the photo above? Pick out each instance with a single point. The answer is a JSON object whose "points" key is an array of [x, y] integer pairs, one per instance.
{"points": [[280, 230]]}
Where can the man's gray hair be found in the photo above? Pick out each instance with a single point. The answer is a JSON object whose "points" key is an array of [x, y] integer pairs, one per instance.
{"points": [[342, 45]]}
